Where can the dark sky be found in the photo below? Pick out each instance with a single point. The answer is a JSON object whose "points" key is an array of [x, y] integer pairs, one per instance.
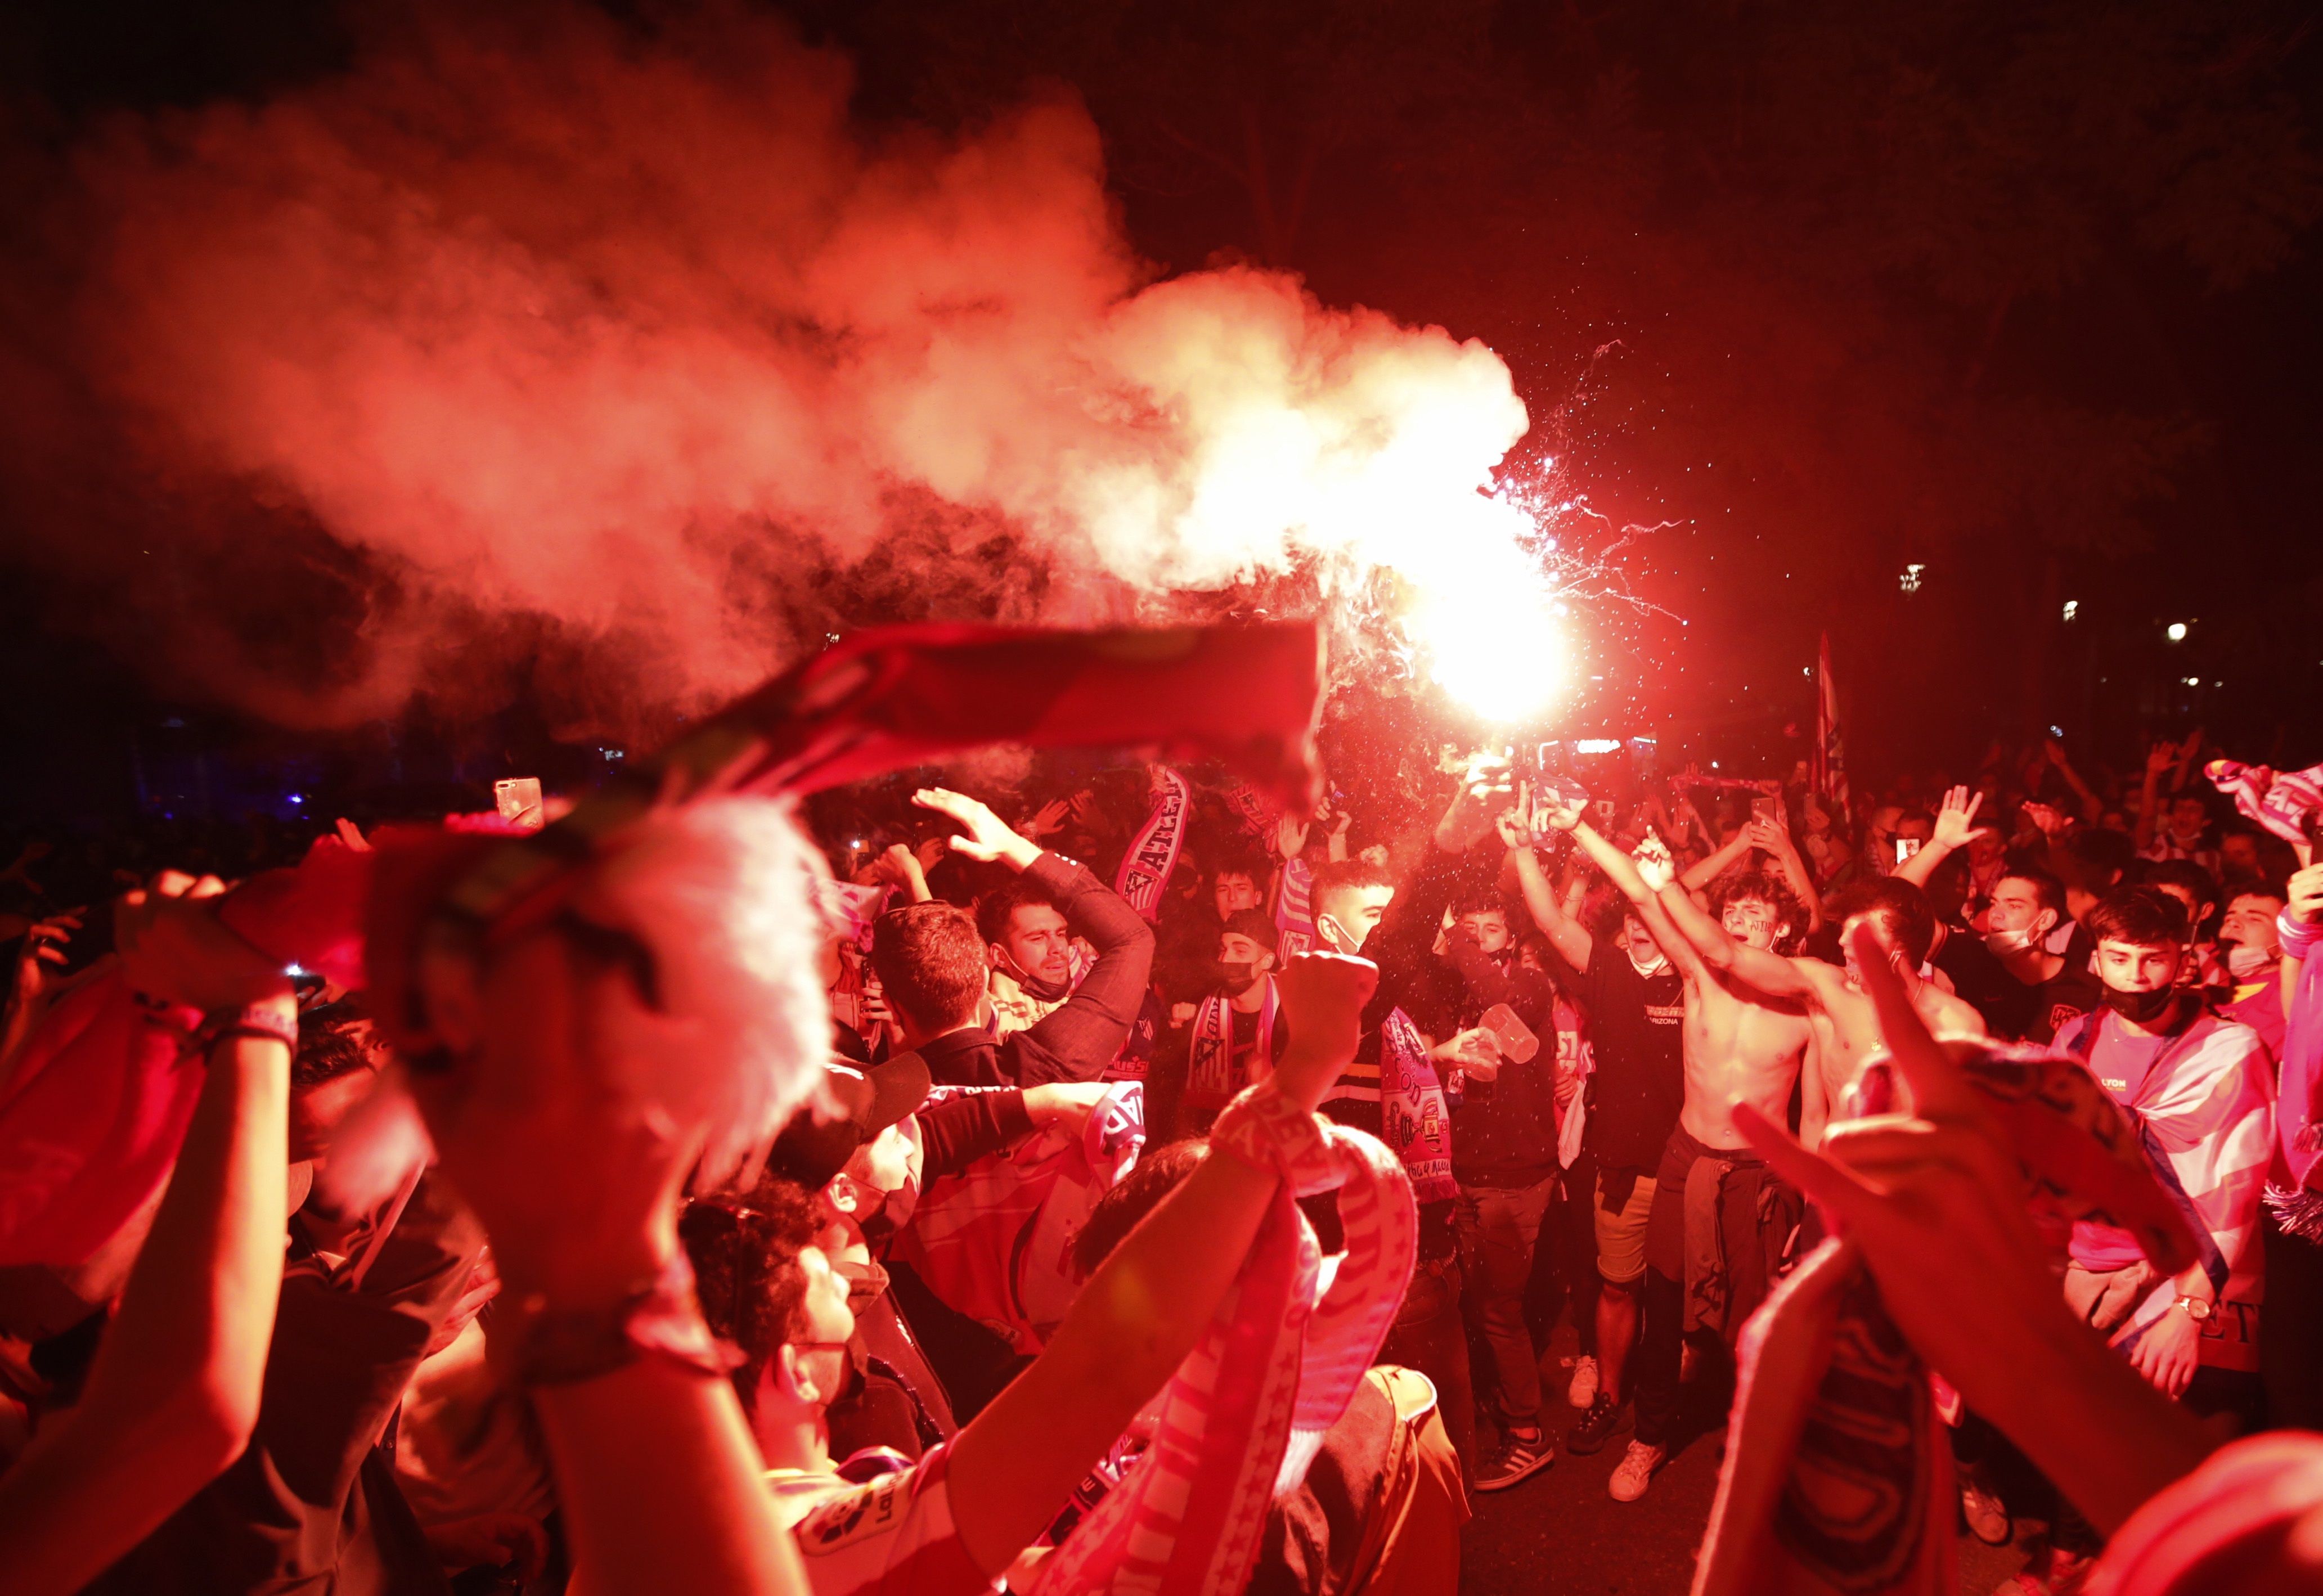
{"points": [[2024, 295]]}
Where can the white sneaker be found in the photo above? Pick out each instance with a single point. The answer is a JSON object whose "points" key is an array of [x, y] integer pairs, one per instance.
{"points": [[1582, 1391], [1635, 1471]]}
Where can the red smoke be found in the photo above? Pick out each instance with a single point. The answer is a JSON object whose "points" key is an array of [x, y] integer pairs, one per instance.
{"points": [[643, 346]]}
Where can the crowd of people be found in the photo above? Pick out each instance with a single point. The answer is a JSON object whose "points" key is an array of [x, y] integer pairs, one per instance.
{"points": [[1187, 1195]]}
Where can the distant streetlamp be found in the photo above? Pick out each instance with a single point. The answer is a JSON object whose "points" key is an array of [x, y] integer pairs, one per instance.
{"points": [[2176, 631]]}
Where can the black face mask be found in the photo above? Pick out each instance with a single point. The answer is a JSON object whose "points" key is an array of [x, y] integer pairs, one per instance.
{"points": [[1238, 975], [1040, 990], [2141, 1008]]}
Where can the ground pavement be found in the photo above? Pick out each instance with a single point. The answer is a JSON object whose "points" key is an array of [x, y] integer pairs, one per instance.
{"points": [[1558, 1533]]}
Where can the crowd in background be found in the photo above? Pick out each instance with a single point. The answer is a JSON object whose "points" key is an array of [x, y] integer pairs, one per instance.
{"points": [[1607, 999]]}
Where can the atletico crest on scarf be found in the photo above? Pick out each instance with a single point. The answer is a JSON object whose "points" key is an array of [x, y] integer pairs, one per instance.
{"points": [[1211, 1078]]}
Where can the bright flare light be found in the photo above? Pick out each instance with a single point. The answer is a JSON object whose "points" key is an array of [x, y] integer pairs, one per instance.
{"points": [[1484, 619]]}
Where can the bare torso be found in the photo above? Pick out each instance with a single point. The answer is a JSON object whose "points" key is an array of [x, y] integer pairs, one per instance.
{"points": [[1847, 1029], [1739, 1047]]}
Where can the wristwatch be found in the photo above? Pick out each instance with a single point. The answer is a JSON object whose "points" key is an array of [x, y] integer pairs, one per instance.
{"points": [[2196, 1308]]}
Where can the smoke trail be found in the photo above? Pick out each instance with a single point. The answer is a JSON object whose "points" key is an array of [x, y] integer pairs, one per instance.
{"points": [[637, 354]]}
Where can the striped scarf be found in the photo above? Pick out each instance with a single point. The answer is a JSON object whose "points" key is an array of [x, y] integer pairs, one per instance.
{"points": [[1146, 868], [1211, 1079], [1838, 1475], [1294, 910], [1244, 1415]]}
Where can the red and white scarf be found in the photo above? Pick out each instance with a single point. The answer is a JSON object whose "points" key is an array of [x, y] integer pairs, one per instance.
{"points": [[1146, 868], [1244, 1415], [1294, 911], [1837, 1473], [1413, 1115], [1211, 1076]]}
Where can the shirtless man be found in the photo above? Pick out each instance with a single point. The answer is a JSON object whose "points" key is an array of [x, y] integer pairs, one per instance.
{"points": [[1739, 1045], [1846, 1027]]}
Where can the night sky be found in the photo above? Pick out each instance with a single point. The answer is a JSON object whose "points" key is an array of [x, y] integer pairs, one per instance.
{"points": [[2023, 296]]}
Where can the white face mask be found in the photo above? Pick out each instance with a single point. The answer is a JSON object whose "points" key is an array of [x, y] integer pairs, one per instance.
{"points": [[1654, 967], [2247, 962], [1334, 935], [2004, 942]]}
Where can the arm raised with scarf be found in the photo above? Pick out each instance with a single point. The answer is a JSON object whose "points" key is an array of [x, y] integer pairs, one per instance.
{"points": [[1147, 1307], [1077, 1041]]}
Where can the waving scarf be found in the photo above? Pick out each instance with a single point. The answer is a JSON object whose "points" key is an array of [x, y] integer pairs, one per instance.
{"points": [[1294, 909], [1244, 1415], [2205, 1115], [1413, 1115], [1146, 868], [2287, 803], [1211, 1078], [1837, 1473]]}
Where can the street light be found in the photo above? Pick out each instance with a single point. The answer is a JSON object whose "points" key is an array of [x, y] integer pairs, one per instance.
{"points": [[2176, 632]]}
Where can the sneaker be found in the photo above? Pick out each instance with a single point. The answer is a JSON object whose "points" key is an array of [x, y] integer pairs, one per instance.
{"points": [[1606, 1419], [1583, 1392], [1517, 1458], [1986, 1515], [1636, 1469]]}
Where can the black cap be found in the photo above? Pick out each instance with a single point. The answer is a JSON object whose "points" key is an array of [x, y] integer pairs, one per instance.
{"points": [[811, 1150]]}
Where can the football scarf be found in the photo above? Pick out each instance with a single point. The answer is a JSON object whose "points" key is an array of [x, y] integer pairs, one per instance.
{"points": [[1837, 1473], [1146, 868], [1211, 1076], [1413, 1115], [1244, 1415]]}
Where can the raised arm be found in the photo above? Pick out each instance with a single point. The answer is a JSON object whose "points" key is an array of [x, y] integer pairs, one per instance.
{"points": [[1568, 935], [2092, 806], [1773, 840], [174, 1394], [1079, 1038], [1147, 1307], [1955, 824], [1706, 870], [2159, 758]]}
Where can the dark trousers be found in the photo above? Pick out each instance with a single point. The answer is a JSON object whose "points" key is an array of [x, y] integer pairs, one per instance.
{"points": [[1428, 1334], [2291, 1332]]}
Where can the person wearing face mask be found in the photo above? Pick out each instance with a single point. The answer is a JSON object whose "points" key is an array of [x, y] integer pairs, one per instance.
{"points": [[1392, 1089], [1238, 1030], [2027, 905], [1633, 999], [2251, 939], [2203, 1090]]}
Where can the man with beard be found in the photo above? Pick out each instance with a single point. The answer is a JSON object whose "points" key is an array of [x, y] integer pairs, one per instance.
{"points": [[933, 965], [1717, 1225]]}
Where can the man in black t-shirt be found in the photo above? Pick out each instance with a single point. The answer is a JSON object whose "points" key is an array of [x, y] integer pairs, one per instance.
{"points": [[2027, 905], [1634, 1001]]}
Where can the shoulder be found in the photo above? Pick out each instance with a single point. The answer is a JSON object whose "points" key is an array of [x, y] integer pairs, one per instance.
{"points": [[894, 1532]]}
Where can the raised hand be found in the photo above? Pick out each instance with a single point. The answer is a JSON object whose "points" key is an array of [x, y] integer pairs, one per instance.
{"points": [[174, 947], [1046, 821], [1955, 821], [2159, 758], [1558, 814], [1766, 836], [986, 836], [1513, 831], [899, 867], [352, 835], [2045, 818], [1656, 868], [2307, 894], [1485, 787], [1322, 996]]}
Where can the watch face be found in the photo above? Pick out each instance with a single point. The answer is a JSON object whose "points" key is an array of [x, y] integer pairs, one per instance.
{"points": [[2196, 1310]]}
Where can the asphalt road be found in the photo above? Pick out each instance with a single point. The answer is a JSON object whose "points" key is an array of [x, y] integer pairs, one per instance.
{"points": [[1558, 1533]]}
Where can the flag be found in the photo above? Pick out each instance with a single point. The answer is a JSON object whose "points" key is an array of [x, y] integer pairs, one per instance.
{"points": [[1829, 771]]}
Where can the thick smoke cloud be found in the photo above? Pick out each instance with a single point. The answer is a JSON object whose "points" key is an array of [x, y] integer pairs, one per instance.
{"points": [[641, 351]]}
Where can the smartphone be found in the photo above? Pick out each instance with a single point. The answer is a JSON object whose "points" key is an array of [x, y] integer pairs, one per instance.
{"points": [[1905, 847], [1763, 806], [1604, 808], [519, 798]]}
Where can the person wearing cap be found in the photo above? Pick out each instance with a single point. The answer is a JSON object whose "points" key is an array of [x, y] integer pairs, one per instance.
{"points": [[934, 967], [1238, 1030]]}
